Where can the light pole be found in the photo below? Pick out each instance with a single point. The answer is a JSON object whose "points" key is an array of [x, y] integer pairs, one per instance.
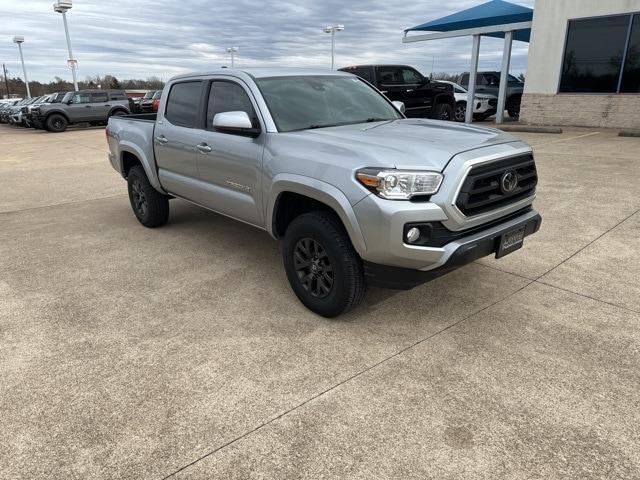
{"points": [[6, 82], [332, 30], [19, 39], [62, 6], [232, 51]]}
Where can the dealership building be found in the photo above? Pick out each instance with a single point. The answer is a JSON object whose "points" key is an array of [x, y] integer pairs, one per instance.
{"points": [[584, 64]]}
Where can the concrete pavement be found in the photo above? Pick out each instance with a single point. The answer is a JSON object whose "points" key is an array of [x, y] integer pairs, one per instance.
{"points": [[181, 352]]}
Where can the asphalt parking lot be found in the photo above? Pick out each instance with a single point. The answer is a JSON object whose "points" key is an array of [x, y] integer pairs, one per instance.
{"points": [[181, 352]]}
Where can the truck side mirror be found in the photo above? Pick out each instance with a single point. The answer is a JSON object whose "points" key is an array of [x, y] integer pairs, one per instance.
{"points": [[237, 123]]}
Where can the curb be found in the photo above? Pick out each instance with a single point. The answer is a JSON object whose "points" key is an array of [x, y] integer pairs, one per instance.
{"points": [[529, 129]]}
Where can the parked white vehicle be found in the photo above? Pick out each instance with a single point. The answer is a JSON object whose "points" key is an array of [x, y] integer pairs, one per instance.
{"points": [[484, 105]]}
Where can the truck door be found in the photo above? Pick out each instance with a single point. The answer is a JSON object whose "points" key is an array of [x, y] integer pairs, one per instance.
{"points": [[175, 137], [99, 109], [230, 164], [405, 84]]}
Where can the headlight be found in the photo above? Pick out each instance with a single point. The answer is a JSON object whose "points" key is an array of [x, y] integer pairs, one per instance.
{"points": [[399, 184]]}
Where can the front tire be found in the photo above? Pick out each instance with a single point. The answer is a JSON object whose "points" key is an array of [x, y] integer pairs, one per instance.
{"points": [[443, 111], [150, 207], [56, 123], [323, 268], [460, 111]]}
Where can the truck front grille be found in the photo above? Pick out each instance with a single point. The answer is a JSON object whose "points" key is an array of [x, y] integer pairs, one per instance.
{"points": [[482, 190]]}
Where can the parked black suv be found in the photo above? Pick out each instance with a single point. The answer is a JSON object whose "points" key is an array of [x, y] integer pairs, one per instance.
{"points": [[489, 82], [421, 97], [84, 106]]}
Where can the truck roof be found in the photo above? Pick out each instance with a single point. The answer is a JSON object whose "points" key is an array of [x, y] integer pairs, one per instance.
{"points": [[263, 72]]}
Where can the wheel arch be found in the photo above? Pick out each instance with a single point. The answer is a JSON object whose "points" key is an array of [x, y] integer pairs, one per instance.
{"points": [[308, 192], [118, 108], [130, 154], [56, 112], [445, 98]]}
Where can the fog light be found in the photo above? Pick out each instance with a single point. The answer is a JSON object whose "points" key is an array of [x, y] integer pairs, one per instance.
{"points": [[413, 234]]}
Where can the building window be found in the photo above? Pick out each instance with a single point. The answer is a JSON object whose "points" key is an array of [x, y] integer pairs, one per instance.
{"points": [[631, 73], [602, 55]]}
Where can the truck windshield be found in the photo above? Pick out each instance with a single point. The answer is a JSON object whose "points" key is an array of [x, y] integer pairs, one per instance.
{"points": [[306, 102]]}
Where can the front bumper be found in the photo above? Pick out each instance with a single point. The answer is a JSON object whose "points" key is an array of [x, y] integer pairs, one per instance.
{"points": [[452, 256]]}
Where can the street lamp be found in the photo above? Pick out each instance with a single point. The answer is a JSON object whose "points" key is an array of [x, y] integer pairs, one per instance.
{"points": [[232, 51], [62, 6], [19, 39], [332, 30]]}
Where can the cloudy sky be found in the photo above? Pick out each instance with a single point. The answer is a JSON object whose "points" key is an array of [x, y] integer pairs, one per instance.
{"points": [[140, 38]]}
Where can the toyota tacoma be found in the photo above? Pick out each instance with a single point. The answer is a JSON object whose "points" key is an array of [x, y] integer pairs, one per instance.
{"points": [[356, 193]]}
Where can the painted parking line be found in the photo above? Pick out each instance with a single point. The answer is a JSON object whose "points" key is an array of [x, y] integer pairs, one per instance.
{"points": [[558, 140]]}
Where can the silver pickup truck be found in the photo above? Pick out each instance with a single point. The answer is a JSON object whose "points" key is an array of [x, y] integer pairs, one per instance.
{"points": [[356, 193]]}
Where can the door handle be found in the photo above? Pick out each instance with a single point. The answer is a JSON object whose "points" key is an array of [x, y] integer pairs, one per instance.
{"points": [[409, 90], [162, 140], [383, 91], [107, 105], [87, 106], [203, 147]]}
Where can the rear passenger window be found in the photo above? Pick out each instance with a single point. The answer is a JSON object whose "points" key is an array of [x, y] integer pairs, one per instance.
{"points": [[362, 73], [183, 104], [228, 97], [99, 97]]}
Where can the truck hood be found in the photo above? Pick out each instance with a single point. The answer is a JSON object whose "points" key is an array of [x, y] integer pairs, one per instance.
{"points": [[406, 143]]}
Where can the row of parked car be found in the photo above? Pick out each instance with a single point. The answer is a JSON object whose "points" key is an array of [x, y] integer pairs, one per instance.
{"points": [[443, 100], [56, 111], [439, 99]]}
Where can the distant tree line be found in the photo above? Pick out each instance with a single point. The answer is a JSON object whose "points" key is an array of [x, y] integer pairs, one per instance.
{"points": [[16, 85], [453, 77]]}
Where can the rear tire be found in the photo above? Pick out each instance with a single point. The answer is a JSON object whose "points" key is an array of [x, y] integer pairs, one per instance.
{"points": [[56, 123], [513, 107], [150, 207], [460, 111], [442, 111], [323, 268]]}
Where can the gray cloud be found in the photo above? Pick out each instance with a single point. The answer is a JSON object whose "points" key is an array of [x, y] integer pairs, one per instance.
{"points": [[142, 38]]}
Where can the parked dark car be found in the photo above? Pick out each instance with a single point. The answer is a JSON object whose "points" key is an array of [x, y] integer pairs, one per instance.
{"points": [[489, 82], [421, 97], [84, 106]]}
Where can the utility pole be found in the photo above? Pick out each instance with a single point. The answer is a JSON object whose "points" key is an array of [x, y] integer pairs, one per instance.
{"points": [[6, 82]]}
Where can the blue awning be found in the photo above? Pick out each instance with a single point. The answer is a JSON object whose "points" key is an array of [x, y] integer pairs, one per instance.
{"points": [[493, 13]]}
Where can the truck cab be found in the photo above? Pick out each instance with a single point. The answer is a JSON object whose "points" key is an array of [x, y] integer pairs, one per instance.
{"points": [[422, 97]]}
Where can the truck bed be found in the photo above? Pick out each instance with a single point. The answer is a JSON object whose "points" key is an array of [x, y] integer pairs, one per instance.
{"points": [[133, 134], [143, 117]]}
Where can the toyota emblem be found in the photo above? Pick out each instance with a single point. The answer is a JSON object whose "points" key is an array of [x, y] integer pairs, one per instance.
{"points": [[509, 181]]}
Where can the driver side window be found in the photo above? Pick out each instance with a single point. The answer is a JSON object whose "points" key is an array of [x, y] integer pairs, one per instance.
{"points": [[226, 96], [411, 76]]}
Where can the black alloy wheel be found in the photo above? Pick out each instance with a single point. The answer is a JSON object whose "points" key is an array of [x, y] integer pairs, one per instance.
{"points": [[313, 267], [139, 199], [460, 112]]}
